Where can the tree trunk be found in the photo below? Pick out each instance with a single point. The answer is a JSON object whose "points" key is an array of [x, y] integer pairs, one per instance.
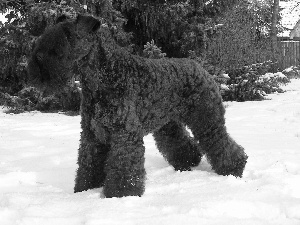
{"points": [[273, 36]]}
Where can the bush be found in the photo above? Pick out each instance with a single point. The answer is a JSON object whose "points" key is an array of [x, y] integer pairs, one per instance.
{"points": [[70, 99], [152, 51], [15, 104], [292, 72], [29, 99], [248, 83], [31, 94], [49, 103]]}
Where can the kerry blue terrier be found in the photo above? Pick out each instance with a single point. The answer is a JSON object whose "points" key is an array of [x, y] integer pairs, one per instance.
{"points": [[125, 97]]}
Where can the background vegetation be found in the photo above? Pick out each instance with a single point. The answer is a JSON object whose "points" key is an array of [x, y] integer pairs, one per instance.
{"points": [[223, 35]]}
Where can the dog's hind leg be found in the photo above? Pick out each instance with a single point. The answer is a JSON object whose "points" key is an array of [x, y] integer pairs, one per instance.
{"points": [[178, 148], [207, 122]]}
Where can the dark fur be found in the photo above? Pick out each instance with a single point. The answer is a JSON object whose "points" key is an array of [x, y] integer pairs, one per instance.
{"points": [[126, 97]]}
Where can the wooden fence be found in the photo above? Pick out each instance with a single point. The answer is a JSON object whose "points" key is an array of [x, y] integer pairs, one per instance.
{"points": [[289, 53]]}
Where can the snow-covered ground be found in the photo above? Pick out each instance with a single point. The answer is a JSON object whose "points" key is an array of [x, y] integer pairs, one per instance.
{"points": [[38, 154], [2, 18]]}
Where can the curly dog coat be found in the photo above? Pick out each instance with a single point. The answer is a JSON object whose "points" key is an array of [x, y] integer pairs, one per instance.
{"points": [[125, 97]]}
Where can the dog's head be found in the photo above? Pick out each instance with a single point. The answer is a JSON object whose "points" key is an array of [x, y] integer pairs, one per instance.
{"points": [[54, 54]]}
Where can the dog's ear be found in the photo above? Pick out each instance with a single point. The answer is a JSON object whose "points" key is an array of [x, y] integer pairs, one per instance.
{"points": [[61, 18], [87, 24]]}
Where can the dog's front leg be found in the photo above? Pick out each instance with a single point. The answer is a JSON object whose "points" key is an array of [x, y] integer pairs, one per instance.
{"points": [[92, 156], [125, 172]]}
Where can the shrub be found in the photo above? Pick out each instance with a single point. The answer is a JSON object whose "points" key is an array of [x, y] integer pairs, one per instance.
{"points": [[31, 94], [29, 99], [152, 51], [70, 99], [292, 72], [15, 104], [248, 83], [49, 103]]}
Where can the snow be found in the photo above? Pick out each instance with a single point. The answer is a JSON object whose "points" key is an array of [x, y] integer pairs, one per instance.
{"points": [[38, 154], [2, 17], [289, 69], [225, 75], [268, 76], [280, 75], [224, 87], [290, 15]]}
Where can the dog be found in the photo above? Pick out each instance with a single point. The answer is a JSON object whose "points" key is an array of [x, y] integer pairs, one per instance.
{"points": [[124, 98]]}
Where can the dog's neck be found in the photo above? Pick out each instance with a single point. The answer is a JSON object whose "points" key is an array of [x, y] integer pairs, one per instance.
{"points": [[105, 46]]}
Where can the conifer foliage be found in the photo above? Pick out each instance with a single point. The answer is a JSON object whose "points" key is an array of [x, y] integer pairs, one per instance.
{"points": [[220, 34], [152, 51]]}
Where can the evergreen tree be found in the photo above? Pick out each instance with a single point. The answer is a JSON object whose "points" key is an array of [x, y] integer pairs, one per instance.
{"points": [[244, 37], [152, 51], [177, 26]]}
